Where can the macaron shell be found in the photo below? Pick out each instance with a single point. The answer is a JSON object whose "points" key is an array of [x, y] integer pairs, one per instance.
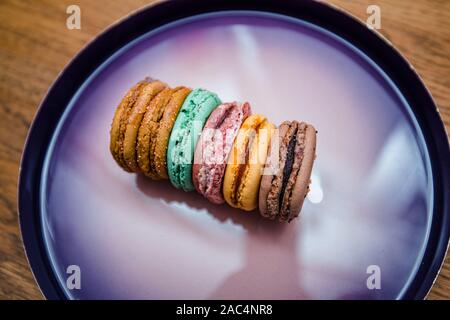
{"points": [[164, 130], [149, 91], [148, 131], [275, 165], [237, 160], [186, 130], [123, 125], [251, 181], [301, 186], [120, 115]]}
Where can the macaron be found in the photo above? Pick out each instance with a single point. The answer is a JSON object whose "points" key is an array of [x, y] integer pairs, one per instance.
{"points": [[246, 161], [291, 159], [214, 146], [148, 92], [127, 120], [119, 123], [154, 131], [185, 133]]}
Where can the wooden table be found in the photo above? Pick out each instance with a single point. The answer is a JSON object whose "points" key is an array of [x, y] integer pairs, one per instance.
{"points": [[35, 45]]}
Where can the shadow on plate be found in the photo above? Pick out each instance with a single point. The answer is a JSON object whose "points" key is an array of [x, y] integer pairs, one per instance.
{"points": [[270, 268]]}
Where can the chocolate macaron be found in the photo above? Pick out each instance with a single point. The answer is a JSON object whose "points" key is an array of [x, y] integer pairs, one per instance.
{"points": [[290, 161]]}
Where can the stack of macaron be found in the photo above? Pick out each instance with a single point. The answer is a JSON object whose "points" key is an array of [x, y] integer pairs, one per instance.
{"points": [[221, 150]]}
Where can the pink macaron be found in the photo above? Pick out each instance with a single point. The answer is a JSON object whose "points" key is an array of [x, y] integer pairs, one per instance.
{"points": [[214, 146]]}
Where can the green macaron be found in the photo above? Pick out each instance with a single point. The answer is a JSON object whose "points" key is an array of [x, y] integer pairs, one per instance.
{"points": [[185, 133]]}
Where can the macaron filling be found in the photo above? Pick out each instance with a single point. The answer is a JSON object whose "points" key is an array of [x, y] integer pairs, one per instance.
{"points": [[285, 211], [287, 168]]}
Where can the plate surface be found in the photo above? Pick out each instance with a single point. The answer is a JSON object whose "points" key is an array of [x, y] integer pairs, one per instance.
{"points": [[371, 201]]}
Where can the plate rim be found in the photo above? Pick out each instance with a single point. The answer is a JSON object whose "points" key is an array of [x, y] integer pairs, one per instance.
{"points": [[162, 12]]}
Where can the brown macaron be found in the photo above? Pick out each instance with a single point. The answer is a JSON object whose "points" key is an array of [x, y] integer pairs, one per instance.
{"points": [[155, 130], [133, 123], [285, 183], [126, 118], [119, 123]]}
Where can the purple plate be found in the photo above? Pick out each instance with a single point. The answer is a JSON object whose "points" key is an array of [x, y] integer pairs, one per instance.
{"points": [[377, 213]]}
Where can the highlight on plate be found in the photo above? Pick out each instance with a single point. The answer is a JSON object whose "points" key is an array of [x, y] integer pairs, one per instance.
{"points": [[220, 149]]}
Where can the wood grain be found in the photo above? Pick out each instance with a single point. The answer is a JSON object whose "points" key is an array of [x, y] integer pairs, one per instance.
{"points": [[35, 45]]}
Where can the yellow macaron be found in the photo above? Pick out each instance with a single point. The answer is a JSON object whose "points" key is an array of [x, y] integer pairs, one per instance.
{"points": [[246, 162]]}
